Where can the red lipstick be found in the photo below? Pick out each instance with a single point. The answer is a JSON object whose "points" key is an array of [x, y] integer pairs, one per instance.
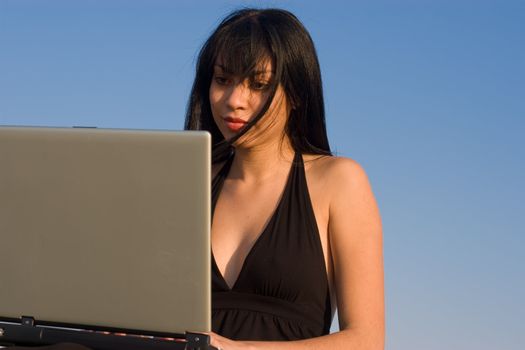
{"points": [[235, 124]]}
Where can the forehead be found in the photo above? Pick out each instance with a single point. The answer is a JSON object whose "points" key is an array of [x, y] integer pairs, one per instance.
{"points": [[263, 66]]}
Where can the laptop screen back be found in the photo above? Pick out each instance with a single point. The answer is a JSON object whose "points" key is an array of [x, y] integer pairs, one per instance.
{"points": [[106, 227]]}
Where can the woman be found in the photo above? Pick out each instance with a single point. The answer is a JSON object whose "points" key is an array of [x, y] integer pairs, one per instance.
{"points": [[295, 230]]}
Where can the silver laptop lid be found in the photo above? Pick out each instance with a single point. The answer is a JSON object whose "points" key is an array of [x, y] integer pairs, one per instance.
{"points": [[106, 227]]}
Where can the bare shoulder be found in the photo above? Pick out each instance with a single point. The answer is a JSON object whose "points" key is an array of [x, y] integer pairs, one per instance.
{"points": [[334, 171], [341, 185]]}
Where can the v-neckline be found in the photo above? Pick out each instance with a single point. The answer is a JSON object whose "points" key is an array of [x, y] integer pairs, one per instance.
{"points": [[224, 173]]}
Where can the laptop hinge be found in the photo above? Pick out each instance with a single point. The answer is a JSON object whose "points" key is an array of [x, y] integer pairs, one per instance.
{"points": [[198, 341], [28, 321]]}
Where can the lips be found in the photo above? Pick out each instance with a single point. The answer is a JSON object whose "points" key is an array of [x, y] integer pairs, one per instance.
{"points": [[234, 124]]}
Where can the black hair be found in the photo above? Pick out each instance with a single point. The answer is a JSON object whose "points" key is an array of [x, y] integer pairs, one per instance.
{"points": [[244, 39]]}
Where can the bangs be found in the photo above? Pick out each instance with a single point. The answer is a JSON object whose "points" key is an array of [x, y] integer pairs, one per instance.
{"points": [[243, 48]]}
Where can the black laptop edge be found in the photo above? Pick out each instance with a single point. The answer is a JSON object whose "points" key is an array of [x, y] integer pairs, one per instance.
{"points": [[27, 331]]}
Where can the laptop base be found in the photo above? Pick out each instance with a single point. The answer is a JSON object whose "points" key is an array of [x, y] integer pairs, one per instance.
{"points": [[26, 332]]}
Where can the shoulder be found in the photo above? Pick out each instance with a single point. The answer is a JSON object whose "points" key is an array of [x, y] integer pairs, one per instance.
{"points": [[331, 164], [343, 185], [335, 171]]}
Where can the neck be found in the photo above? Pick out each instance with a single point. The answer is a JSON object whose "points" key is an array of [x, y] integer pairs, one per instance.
{"points": [[263, 161]]}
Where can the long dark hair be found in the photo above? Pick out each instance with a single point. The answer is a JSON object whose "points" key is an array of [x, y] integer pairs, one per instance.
{"points": [[242, 40]]}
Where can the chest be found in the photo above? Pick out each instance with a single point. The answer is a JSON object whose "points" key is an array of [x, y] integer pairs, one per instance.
{"points": [[241, 214], [248, 220]]}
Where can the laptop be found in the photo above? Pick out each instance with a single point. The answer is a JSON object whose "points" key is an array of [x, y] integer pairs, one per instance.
{"points": [[103, 232]]}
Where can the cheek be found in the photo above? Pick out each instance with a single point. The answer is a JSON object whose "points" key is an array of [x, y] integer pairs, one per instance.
{"points": [[214, 101]]}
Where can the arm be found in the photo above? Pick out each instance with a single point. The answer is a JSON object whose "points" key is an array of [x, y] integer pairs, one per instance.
{"points": [[354, 230]]}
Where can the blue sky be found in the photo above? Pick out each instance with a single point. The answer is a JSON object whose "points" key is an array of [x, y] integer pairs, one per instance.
{"points": [[427, 95]]}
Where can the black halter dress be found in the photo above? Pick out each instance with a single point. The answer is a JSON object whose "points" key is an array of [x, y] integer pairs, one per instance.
{"points": [[282, 291]]}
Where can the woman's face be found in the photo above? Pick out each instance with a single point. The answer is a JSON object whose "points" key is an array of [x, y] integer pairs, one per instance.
{"points": [[235, 101]]}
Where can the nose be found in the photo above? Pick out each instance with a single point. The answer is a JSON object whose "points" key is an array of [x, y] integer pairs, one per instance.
{"points": [[237, 96]]}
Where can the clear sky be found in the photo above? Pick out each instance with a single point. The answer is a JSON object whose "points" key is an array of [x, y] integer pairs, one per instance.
{"points": [[427, 95]]}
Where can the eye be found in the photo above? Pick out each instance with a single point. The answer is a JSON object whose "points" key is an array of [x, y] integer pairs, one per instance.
{"points": [[259, 85], [221, 80]]}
